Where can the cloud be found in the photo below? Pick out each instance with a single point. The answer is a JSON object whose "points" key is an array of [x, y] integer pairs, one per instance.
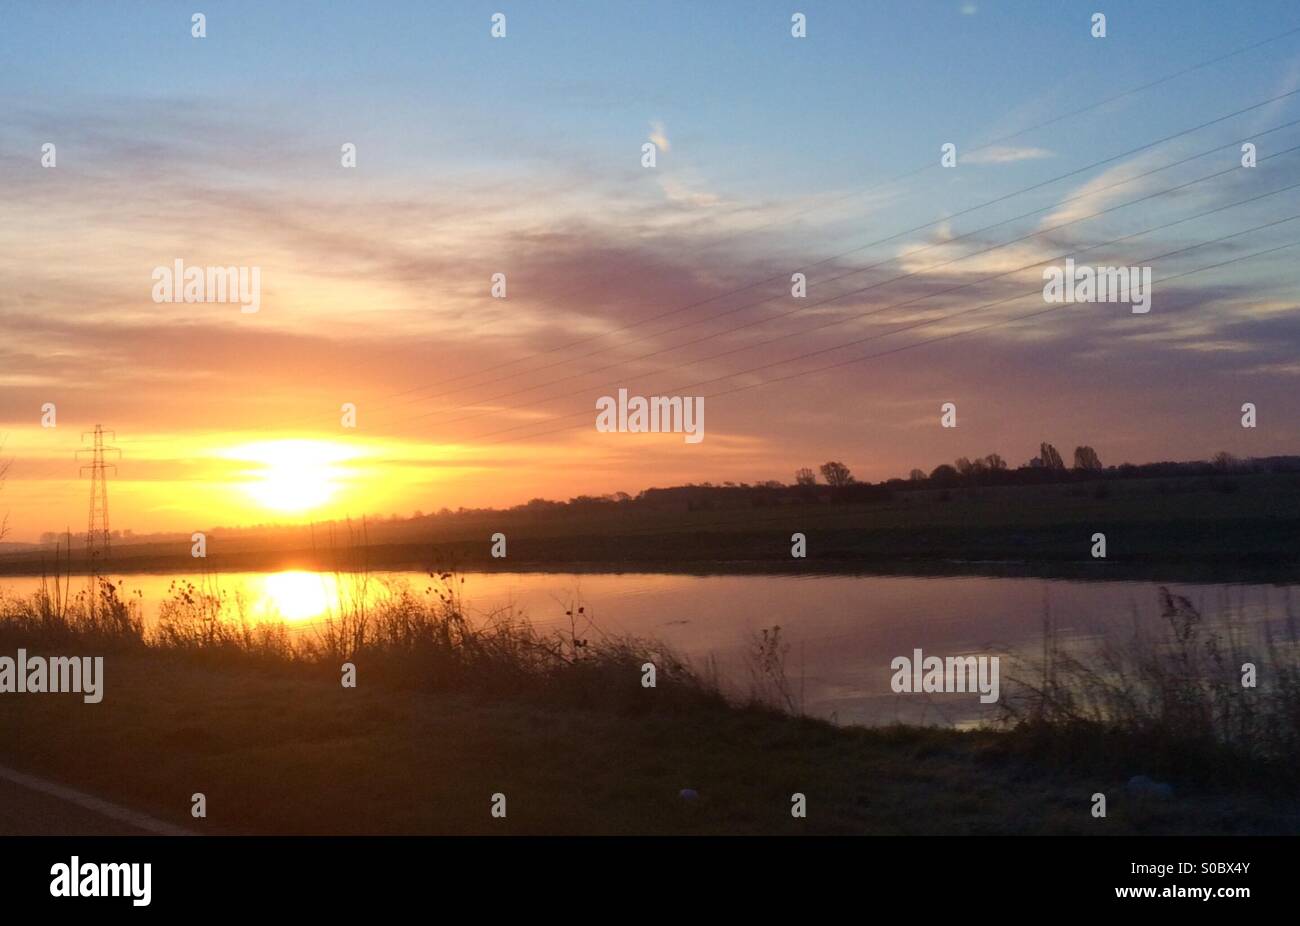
{"points": [[1124, 181], [1004, 154], [679, 191], [376, 293], [659, 135]]}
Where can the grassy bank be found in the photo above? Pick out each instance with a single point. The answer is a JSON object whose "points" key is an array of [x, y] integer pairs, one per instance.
{"points": [[444, 715], [287, 753]]}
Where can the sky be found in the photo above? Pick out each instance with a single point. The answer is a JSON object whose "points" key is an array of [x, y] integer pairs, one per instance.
{"points": [[522, 155]]}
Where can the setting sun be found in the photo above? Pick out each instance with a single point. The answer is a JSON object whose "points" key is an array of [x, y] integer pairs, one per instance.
{"points": [[293, 475]]}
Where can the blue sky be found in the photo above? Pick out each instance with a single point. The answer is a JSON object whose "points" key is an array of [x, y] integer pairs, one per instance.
{"points": [[875, 88]]}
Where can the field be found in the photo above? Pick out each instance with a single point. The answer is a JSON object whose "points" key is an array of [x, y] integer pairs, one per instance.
{"points": [[1196, 529]]}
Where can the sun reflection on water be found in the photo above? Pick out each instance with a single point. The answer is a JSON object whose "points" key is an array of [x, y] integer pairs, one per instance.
{"points": [[296, 595]]}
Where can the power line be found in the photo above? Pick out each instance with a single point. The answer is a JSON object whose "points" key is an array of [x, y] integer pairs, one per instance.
{"points": [[804, 308], [860, 290], [1028, 315], [919, 170], [784, 276], [387, 400], [1036, 291], [1047, 122]]}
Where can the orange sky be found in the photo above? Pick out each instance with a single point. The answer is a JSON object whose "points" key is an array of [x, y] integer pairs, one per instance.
{"points": [[375, 281]]}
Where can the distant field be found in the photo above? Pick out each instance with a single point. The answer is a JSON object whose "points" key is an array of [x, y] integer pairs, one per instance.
{"points": [[1187, 527]]}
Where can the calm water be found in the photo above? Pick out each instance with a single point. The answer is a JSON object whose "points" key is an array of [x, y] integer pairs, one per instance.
{"points": [[842, 631]]}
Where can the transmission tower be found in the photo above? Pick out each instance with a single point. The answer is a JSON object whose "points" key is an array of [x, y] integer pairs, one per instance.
{"points": [[97, 538]]}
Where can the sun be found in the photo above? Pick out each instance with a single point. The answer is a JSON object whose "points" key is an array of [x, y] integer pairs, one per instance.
{"points": [[292, 475], [296, 595]]}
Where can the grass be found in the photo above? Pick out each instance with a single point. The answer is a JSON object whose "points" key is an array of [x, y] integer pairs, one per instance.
{"points": [[1218, 698], [297, 754], [446, 714]]}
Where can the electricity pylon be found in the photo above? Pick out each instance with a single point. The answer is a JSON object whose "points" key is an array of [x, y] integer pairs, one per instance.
{"points": [[97, 537]]}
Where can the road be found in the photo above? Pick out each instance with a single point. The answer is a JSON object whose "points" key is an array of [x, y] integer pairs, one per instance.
{"points": [[32, 806]]}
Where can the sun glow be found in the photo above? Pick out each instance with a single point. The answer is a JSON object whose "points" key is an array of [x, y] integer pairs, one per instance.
{"points": [[293, 475], [296, 595]]}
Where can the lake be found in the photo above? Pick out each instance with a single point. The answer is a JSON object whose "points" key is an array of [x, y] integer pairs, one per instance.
{"points": [[842, 631]]}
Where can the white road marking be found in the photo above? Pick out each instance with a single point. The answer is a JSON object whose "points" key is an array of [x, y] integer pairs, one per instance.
{"points": [[97, 805]]}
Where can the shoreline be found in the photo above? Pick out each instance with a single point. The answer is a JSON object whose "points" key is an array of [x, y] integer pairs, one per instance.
{"points": [[1189, 573]]}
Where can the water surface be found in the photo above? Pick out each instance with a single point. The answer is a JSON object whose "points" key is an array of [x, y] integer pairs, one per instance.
{"points": [[842, 631]]}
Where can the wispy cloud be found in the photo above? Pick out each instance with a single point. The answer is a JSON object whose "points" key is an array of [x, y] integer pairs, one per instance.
{"points": [[659, 135], [1003, 154]]}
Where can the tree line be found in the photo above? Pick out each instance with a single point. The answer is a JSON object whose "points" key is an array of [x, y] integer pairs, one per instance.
{"points": [[838, 476]]}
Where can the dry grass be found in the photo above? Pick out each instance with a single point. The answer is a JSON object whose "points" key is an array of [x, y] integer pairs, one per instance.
{"points": [[393, 635], [1172, 698]]}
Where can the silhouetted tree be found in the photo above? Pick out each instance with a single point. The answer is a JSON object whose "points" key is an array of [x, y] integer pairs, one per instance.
{"points": [[1050, 457], [963, 466], [1086, 458], [836, 474], [805, 477], [943, 473], [916, 475], [995, 462], [1225, 461]]}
